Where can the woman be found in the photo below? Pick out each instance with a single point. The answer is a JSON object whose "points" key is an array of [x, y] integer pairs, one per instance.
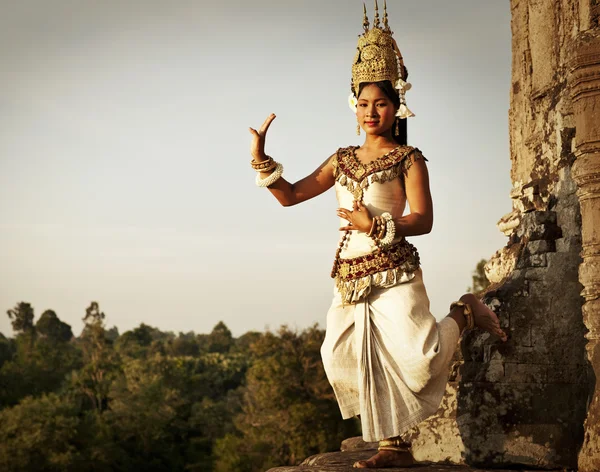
{"points": [[385, 355]]}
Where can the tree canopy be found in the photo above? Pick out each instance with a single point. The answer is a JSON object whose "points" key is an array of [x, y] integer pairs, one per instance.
{"points": [[159, 401]]}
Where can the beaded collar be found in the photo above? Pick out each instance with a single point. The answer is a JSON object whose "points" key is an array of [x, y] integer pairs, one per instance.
{"points": [[350, 165]]}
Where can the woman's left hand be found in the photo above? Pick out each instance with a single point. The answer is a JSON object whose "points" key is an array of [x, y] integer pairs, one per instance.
{"points": [[358, 219]]}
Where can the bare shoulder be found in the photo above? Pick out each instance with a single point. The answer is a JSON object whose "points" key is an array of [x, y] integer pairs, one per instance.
{"points": [[328, 168], [332, 161]]}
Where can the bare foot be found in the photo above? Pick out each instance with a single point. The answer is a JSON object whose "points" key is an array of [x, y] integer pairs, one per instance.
{"points": [[384, 459], [484, 318]]}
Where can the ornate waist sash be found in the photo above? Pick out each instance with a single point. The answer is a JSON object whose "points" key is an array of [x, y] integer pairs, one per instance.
{"points": [[384, 268]]}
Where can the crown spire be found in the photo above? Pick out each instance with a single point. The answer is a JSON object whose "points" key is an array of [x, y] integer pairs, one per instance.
{"points": [[376, 19], [386, 26], [365, 19]]}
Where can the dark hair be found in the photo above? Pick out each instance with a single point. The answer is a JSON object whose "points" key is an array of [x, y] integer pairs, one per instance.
{"points": [[390, 92]]}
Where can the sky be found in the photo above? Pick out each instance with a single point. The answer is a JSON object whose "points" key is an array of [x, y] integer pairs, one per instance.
{"points": [[124, 153]]}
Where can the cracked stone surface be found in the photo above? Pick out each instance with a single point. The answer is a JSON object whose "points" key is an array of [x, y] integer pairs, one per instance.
{"points": [[342, 461]]}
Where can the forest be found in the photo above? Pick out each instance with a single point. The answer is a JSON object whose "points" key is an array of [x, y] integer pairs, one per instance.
{"points": [[158, 401]]}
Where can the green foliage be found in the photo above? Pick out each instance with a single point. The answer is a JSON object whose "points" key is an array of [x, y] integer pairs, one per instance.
{"points": [[38, 359], [112, 334], [136, 343], [101, 362], [39, 434], [52, 328], [186, 344], [479, 279], [220, 339], [7, 349], [22, 318], [288, 409], [155, 401], [243, 343], [146, 415]]}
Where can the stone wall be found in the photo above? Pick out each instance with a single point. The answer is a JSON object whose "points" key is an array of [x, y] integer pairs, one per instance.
{"points": [[525, 402]]}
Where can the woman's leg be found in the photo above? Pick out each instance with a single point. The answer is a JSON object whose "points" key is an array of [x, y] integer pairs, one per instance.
{"points": [[339, 357], [485, 319]]}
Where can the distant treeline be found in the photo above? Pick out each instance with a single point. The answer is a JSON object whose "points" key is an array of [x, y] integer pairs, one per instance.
{"points": [[147, 400]]}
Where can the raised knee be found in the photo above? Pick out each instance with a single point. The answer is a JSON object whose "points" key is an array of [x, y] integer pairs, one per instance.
{"points": [[417, 385]]}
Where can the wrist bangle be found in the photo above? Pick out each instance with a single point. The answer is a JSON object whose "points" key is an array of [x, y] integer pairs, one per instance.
{"points": [[260, 166], [390, 230], [373, 227], [270, 180], [272, 165], [382, 228]]}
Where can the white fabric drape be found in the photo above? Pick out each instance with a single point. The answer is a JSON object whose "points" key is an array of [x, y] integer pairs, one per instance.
{"points": [[387, 358]]}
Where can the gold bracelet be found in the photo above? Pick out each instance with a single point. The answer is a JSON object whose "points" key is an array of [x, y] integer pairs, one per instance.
{"points": [[382, 228], [268, 168], [395, 444], [373, 227], [467, 312], [262, 164], [261, 168]]}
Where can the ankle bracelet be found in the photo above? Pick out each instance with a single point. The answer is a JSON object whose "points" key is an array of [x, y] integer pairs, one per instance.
{"points": [[394, 444], [467, 312]]}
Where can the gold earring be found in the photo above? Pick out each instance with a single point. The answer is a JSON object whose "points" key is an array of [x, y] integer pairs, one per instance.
{"points": [[397, 128], [357, 130]]}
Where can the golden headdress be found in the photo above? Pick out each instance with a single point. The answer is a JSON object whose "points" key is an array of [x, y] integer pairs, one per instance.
{"points": [[378, 58]]}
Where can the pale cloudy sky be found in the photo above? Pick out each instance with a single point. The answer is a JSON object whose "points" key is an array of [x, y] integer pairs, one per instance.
{"points": [[124, 162]]}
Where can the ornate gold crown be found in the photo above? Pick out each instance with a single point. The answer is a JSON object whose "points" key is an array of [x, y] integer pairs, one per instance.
{"points": [[378, 56]]}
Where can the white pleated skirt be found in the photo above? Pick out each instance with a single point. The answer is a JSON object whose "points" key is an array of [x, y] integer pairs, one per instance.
{"points": [[387, 358]]}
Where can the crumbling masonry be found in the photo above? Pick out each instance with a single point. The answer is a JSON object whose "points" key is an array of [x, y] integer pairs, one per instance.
{"points": [[535, 399]]}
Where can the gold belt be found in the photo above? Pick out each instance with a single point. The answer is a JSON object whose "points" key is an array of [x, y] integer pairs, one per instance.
{"points": [[396, 255]]}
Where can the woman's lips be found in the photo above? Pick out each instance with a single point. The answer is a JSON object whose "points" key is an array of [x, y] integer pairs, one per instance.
{"points": [[371, 123]]}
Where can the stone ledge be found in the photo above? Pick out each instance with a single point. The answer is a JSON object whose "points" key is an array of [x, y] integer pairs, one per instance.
{"points": [[342, 462], [355, 449]]}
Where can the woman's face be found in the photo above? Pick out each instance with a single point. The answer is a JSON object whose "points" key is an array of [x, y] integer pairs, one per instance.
{"points": [[375, 112]]}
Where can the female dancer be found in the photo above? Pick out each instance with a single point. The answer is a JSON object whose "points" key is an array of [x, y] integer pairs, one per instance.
{"points": [[385, 355]]}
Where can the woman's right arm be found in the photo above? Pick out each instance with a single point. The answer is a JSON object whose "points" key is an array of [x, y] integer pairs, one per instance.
{"points": [[286, 193]]}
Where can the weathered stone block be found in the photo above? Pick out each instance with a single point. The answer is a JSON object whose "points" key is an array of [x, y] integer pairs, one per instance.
{"points": [[491, 352], [357, 444], [537, 260], [568, 374], [542, 42], [520, 336], [520, 318], [532, 260], [524, 373], [533, 273], [543, 217], [541, 246], [495, 372], [538, 225]]}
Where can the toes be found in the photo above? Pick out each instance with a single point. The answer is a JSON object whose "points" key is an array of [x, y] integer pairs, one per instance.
{"points": [[361, 465]]}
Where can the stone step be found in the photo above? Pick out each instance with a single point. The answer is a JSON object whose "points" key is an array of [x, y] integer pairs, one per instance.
{"points": [[342, 462]]}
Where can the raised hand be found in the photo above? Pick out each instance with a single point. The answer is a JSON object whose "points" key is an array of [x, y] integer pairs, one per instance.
{"points": [[358, 219], [257, 147]]}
